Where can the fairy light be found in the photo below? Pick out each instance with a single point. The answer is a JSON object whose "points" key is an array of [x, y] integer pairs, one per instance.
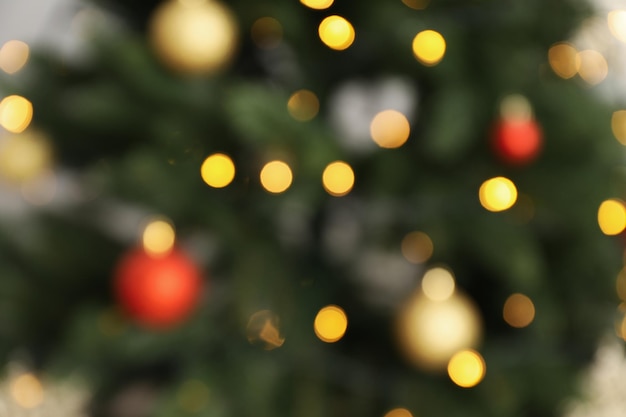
{"points": [[303, 105], [276, 177], [330, 324], [159, 238], [518, 311], [466, 368], [16, 113], [429, 47], [390, 129], [336, 32], [564, 60], [612, 217], [217, 170], [438, 284], [497, 194], [14, 55], [338, 178]]}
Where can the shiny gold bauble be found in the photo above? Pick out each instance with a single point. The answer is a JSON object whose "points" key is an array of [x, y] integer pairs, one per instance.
{"points": [[193, 36], [24, 156], [430, 332]]}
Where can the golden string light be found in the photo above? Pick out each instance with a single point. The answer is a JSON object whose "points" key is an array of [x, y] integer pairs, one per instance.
{"points": [[27, 391], [276, 177], [303, 105], [218, 170], [390, 129], [429, 47], [497, 194], [617, 24], [16, 113], [317, 4], [158, 238], [336, 32], [438, 284], [466, 368], [593, 66], [338, 178], [13, 56], [330, 324], [417, 247], [612, 217], [564, 60], [518, 311]]}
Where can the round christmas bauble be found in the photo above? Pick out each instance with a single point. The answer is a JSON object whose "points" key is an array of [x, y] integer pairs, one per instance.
{"points": [[517, 141], [431, 331], [157, 291], [193, 36]]}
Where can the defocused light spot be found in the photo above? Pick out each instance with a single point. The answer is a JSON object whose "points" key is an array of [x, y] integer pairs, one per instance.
{"points": [[593, 67], [158, 238], [497, 194], [25, 156], [218, 170], [27, 391], [317, 4], [266, 32], [612, 217], [438, 284], [429, 47], [263, 329], [518, 311], [41, 190], [417, 247], [430, 332], [620, 284], [303, 105], [466, 368], [390, 129], [15, 113], [516, 108], [618, 125], [336, 32], [399, 412], [564, 60], [13, 56], [193, 396], [416, 4], [617, 24], [338, 178], [276, 177], [330, 324]]}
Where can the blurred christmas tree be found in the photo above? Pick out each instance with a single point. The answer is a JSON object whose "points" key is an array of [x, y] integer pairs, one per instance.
{"points": [[311, 209]]}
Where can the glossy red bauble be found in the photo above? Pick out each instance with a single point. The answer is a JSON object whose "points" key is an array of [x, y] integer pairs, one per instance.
{"points": [[517, 142], [157, 291]]}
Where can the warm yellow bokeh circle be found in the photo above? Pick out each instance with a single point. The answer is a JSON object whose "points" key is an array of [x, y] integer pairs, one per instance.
{"points": [[336, 32], [429, 47], [276, 177], [338, 178], [466, 368], [218, 170], [612, 217], [497, 194], [330, 323], [390, 129]]}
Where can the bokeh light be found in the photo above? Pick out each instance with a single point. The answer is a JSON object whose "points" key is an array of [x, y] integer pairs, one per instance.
{"points": [[518, 311], [617, 24], [263, 330], [218, 170], [399, 412], [338, 178], [416, 4], [390, 129], [593, 67], [497, 194], [16, 113], [618, 125], [564, 60], [317, 4], [336, 32], [429, 47], [430, 332], [303, 105], [330, 324], [193, 396], [25, 156], [466, 368], [266, 32], [612, 217], [27, 391], [158, 237], [417, 247], [438, 284], [276, 176], [13, 56]]}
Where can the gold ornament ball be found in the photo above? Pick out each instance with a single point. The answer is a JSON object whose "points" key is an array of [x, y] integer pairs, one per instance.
{"points": [[193, 36], [430, 332], [24, 156]]}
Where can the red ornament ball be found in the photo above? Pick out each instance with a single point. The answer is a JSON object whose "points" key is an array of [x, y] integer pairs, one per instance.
{"points": [[517, 142], [157, 291]]}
